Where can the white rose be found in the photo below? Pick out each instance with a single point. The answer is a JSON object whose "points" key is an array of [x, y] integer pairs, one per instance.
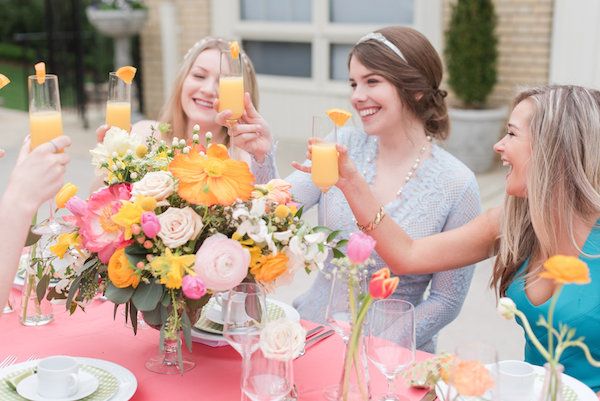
{"points": [[116, 141], [507, 308], [157, 184], [178, 226], [282, 339]]}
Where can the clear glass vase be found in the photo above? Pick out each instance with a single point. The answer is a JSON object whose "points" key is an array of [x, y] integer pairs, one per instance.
{"points": [[35, 311], [552, 388]]}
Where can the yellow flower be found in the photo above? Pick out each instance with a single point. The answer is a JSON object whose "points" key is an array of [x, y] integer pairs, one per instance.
{"points": [[566, 270], [130, 213], [66, 192], [214, 179], [282, 211], [269, 267], [120, 272], [471, 378], [63, 243], [148, 203], [171, 268], [141, 151]]}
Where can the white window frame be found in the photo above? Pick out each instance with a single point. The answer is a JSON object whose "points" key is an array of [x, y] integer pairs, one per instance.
{"points": [[320, 33]]}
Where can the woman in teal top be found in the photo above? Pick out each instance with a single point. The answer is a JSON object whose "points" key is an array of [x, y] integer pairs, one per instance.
{"points": [[578, 307], [552, 204]]}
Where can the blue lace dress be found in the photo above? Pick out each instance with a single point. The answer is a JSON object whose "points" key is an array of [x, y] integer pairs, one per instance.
{"points": [[442, 195]]}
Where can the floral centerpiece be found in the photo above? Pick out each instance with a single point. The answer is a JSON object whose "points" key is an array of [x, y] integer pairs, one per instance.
{"points": [[176, 224]]}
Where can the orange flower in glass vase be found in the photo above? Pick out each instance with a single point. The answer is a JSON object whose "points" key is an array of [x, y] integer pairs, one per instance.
{"points": [[212, 179]]}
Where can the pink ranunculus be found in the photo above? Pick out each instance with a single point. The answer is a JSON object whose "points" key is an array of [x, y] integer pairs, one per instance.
{"points": [[222, 263], [279, 191], [150, 224], [360, 246], [193, 287], [100, 234]]}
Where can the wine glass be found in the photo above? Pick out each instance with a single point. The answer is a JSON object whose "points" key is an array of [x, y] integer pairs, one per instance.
{"points": [[118, 105], [266, 379], [471, 357], [45, 124], [231, 86], [390, 339], [324, 170]]}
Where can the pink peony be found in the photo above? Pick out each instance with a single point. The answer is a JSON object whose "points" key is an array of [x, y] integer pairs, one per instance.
{"points": [[279, 191], [150, 224], [100, 234], [193, 287], [359, 248], [222, 263]]}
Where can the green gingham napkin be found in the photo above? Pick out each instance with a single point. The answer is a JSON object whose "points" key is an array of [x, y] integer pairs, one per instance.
{"points": [[108, 384], [274, 312]]}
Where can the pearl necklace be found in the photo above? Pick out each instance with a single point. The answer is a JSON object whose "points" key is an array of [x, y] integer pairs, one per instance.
{"points": [[415, 165]]}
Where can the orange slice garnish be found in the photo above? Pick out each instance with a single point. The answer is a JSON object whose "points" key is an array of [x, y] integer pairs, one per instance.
{"points": [[338, 116], [234, 49], [3, 81], [40, 72], [126, 74]]}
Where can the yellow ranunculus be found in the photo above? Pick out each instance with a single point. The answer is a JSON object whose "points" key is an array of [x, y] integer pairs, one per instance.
{"points": [[269, 267], [566, 270], [130, 213], [66, 192], [171, 268], [63, 242], [120, 272]]}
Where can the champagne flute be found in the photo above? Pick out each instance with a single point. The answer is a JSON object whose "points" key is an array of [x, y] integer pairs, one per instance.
{"points": [[231, 85], [324, 170], [267, 379], [118, 105], [390, 339], [45, 124]]}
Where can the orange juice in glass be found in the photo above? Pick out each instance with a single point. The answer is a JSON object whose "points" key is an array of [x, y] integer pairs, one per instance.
{"points": [[324, 172], [231, 82], [118, 106], [44, 126]]}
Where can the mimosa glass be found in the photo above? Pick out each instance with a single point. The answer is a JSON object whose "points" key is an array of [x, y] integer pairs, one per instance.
{"points": [[118, 106], [45, 124], [231, 86], [324, 170]]}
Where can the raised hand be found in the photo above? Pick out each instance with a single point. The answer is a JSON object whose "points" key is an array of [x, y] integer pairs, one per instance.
{"points": [[101, 132]]}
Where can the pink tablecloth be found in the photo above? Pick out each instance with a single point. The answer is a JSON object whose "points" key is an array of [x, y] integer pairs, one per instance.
{"points": [[216, 376]]}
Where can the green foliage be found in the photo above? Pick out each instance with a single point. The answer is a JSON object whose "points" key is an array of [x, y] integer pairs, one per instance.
{"points": [[471, 51]]}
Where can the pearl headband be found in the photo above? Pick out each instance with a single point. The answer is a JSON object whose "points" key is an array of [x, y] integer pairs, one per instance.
{"points": [[382, 39]]}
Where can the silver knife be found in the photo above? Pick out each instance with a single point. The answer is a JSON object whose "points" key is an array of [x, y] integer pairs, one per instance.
{"points": [[312, 341], [429, 396], [314, 331]]}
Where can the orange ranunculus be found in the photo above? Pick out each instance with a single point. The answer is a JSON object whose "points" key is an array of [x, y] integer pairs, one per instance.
{"points": [[66, 192], [381, 285], [121, 272], [269, 267], [566, 270], [213, 179], [471, 378]]}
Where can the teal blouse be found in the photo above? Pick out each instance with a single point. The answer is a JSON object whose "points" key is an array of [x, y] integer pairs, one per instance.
{"points": [[578, 307]]}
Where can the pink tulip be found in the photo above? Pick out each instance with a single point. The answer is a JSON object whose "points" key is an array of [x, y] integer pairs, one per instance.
{"points": [[150, 224], [77, 206], [359, 248], [193, 287]]}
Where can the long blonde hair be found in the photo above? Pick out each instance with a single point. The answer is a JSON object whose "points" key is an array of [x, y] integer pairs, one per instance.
{"points": [[172, 112], [563, 179]]}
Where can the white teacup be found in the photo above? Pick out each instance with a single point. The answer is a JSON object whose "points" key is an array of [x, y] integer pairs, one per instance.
{"points": [[238, 311], [57, 377], [516, 380]]}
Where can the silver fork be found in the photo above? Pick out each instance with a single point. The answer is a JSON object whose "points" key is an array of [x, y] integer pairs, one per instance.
{"points": [[33, 357], [9, 360]]}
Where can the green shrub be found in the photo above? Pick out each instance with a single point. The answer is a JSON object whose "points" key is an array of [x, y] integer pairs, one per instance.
{"points": [[471, 51]]}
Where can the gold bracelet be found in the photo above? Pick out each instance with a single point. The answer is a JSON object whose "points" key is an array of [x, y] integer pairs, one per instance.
{"points": [[373, 224]]}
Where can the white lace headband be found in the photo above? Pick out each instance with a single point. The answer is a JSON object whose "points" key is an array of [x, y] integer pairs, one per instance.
{"points": [[382, 39]]}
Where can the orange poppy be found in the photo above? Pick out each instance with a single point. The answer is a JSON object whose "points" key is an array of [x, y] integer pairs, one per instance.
{"points": [[212, 179]]}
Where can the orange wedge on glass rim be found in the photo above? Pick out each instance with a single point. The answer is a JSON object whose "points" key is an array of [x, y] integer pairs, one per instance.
{"points": [[234, 49], [40, 72], [3, 81], [126, 74], [338, 116]]}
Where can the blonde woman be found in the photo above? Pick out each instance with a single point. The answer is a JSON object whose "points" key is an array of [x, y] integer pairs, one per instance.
{"points": [[552, 206]]}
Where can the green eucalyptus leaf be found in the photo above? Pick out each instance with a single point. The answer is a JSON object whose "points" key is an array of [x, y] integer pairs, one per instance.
{"points": [[42, 287], [133, 313], [152, 317], [136, 253], [332, 235], [337, 253], [186, 327], [118, 295], [147, 296], [73, 290], [32, 238]]}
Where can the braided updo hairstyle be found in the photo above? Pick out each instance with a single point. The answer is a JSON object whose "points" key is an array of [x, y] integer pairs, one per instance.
{"points": [[417, 79]]}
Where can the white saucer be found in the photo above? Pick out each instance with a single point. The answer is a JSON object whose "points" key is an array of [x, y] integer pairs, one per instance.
{"points": [[27, 388]]}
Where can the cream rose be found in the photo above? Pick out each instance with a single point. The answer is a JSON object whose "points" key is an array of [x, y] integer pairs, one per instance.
{"points": [[157, 184], [116, 141], [222, 263], [178, 226], [282, 339]]}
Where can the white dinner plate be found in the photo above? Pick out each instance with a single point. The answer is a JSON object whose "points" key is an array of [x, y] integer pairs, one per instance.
{"points": [[28, 388], [127, 380], [218, 340], [573, 389]]}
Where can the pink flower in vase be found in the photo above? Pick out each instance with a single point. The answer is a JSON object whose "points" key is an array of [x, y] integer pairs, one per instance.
{"points": [[359, 248], [99, 233], [150, 224], [222, 263], [193, 287], [279, 191]]}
